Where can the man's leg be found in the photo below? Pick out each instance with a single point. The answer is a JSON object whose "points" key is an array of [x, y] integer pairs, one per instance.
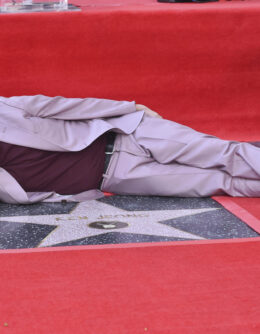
{"points": [[168, 142], [132, 171]]}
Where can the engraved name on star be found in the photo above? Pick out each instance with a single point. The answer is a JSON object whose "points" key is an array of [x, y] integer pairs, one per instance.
{"points": [[76, 224]]}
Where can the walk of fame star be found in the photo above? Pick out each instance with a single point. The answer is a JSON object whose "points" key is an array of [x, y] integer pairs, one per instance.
{"points": [[93, 218]]}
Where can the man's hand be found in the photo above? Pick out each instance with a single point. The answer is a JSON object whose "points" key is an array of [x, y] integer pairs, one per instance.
{"points": [[147, 111]]}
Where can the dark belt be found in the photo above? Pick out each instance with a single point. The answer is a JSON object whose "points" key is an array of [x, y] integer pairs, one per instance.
{"points": [[111, 136]]}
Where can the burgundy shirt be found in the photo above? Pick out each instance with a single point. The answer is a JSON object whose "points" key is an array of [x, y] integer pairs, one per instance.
{"points": [[66, 173]]}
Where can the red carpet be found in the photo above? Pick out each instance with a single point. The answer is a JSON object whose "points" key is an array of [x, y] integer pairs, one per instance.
{"points": [[185, 287]]}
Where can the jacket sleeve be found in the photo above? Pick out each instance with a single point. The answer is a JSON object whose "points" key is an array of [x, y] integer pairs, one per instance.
{"points": [[69, 108]]}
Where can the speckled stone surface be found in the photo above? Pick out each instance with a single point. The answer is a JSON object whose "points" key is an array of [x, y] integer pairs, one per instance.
{"points": [[220, 224], [137, 203], [16, 235], [117, 219], [35, 209], [117, 238]]}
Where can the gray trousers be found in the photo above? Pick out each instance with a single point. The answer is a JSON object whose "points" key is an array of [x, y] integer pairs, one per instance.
{"points": [[168, 159]]}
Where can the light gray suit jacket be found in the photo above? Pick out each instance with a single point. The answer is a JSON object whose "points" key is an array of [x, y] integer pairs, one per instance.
{"points": [[58, 124]]}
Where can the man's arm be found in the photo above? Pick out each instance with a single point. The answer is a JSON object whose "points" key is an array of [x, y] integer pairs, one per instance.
{"points": [[69, 108]]}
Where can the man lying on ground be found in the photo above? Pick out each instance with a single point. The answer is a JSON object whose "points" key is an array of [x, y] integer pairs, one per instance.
{"points": [[73, 149]]}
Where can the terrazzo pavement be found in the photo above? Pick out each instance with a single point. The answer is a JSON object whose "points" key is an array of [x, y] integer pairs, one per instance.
{"points": [[117, 219]]}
